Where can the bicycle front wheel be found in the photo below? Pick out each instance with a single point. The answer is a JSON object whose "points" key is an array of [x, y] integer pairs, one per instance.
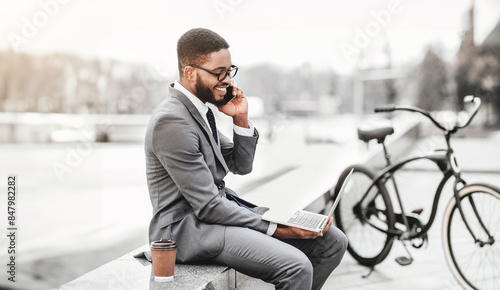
{"points": [[475, 263], [367, 245]]}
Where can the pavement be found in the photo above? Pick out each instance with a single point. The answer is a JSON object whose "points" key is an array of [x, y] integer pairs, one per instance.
{"points": [[80, 205]]}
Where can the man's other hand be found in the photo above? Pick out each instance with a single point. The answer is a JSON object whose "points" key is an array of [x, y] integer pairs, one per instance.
{"points": [[285, 232]]}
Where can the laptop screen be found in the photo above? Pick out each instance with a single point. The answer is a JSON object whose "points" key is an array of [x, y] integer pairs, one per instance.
{"points": [[339, 195]]}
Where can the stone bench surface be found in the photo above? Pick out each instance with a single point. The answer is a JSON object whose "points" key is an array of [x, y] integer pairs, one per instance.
{"points": [[127, 272]]}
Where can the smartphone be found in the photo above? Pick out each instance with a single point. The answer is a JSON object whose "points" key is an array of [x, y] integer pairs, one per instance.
{"points": [[228, 96]]}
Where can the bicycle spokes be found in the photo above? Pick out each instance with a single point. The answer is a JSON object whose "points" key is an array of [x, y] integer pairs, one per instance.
{"points": [[364, 222], [470, 237]]}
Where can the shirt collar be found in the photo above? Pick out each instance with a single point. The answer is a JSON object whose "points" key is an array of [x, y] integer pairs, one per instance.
{"points": [[200, 106]]}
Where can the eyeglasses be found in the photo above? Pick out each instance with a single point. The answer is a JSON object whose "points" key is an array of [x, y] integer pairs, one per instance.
{"points": [[220, 75]]}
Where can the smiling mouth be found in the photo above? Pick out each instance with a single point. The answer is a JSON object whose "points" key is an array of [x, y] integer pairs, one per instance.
{"points": [[221, 91]]}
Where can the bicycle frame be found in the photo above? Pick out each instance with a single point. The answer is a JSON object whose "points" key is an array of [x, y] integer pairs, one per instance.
{"points": [[444, 159]]}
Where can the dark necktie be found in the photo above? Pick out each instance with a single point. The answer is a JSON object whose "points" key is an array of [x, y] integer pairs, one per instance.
{"points": [[213, 127], [232, 197]]}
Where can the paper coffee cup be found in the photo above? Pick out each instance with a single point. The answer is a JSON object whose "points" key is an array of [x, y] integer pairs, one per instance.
{"points": [[163, 255]]}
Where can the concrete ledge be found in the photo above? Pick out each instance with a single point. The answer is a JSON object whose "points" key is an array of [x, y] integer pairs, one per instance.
{"points": [[127, 272]]}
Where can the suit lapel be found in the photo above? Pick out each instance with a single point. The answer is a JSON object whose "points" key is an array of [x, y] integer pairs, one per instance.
{"points": [[201, 122]]}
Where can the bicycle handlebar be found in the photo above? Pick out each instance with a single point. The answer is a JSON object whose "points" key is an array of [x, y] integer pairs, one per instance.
{"points": [[477, 105], [385, 108], [467, 99]]}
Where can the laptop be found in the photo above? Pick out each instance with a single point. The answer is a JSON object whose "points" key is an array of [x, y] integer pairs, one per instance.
{"points": [[302, 219]]}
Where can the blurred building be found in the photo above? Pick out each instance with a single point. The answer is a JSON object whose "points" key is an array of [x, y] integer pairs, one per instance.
{"points": [[477, 69]]}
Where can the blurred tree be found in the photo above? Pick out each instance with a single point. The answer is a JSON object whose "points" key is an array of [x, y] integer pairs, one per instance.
{"points": [[64, 83], [278, 85], [67, 83], [262, 80], [432, 81]]}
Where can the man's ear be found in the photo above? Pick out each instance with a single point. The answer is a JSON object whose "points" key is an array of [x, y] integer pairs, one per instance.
{"points": [[189, 73]]}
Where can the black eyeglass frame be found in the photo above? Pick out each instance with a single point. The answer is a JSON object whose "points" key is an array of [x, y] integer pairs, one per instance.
{"points": [[218, 74]]}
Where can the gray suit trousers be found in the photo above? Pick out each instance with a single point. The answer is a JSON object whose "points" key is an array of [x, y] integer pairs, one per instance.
{"points": [[288, 264]]}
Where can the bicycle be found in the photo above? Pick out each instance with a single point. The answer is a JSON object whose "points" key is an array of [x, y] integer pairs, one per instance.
{"points": [[471, 223]]}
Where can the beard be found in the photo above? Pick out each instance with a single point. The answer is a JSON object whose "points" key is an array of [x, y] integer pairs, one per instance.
{"points": [[205, 94]]}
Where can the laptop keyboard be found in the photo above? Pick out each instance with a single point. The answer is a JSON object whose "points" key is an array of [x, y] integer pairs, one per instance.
{"points": [[306, 219]]}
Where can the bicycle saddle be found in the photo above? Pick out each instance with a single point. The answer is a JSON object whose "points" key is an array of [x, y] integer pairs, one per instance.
{"points": [[375, 129]]}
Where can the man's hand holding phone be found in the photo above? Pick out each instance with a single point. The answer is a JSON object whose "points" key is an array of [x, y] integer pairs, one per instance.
{"points": [[237, 105]]}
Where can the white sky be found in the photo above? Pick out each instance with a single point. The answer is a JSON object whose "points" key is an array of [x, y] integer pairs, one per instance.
{"points": [[287, 33]]}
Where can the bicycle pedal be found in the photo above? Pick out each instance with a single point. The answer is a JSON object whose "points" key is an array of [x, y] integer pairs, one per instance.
{"points": [[404, 261], [418, 211]]}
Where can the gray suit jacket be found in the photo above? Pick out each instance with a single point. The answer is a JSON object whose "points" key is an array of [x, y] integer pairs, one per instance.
{"points": [[185, 170]]}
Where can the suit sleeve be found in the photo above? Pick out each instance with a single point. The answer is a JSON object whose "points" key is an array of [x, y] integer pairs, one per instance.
{"points": [[176, 144], [239, 156]]}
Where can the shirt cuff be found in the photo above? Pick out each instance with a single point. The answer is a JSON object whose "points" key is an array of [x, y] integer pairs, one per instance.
{"points": [[247, 132], [271, 229]]}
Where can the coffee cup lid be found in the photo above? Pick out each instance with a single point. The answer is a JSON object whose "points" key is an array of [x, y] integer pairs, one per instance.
{"points": [[163, 244]]}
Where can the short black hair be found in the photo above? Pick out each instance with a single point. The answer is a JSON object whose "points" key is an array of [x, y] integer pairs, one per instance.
{"points": [[194, 46]]}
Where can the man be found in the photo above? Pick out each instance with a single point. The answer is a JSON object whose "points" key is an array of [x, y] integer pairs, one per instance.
{"points": [[187, 159]]}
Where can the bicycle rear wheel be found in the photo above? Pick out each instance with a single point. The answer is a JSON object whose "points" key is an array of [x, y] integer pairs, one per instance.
{"points": [[367, 245], [475, 264]]}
